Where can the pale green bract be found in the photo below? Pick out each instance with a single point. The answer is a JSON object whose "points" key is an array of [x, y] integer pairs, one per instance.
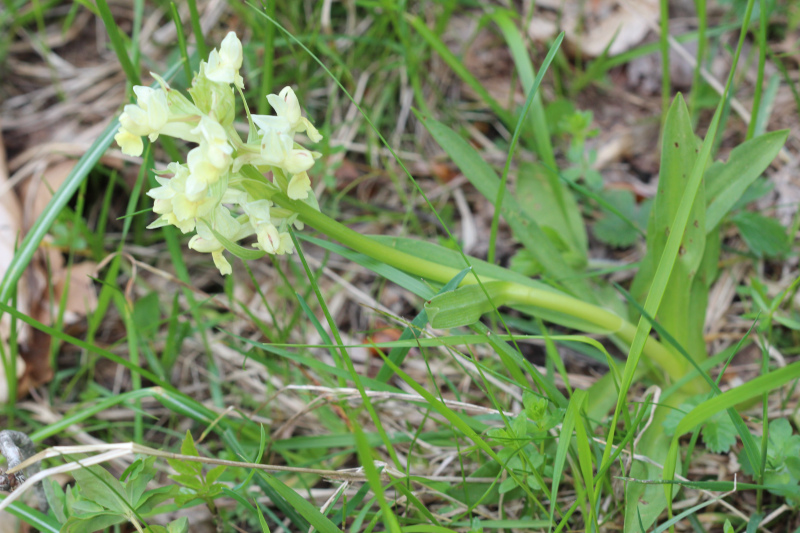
{"points": [[207, 193]]}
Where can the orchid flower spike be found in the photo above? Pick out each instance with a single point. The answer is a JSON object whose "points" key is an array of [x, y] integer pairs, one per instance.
{"points": [[211, 192]]}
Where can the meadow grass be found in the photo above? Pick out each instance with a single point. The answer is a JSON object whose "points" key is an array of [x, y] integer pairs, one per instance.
{"points": [[385, 382]]}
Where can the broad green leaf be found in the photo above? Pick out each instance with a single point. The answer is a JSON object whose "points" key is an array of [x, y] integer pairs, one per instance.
{"points": [[464, 305], [189, 481], [719, 433], [181, 525], [663, 271], [765, 236], [726, 182], [153, 498], [678, 155], [213, 475], [540, 183], [183, 467], [91, 525], [551, 204], [188, 448], [525, 229], [82, 508], [99, 486], [56, 499], [616, 231]]}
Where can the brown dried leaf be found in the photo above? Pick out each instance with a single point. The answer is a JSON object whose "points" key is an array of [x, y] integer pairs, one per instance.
{"points": [[591, 26], [10, 228]]}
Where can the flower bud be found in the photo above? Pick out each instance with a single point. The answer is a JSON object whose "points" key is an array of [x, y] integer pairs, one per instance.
{"points": [[223, 66]]}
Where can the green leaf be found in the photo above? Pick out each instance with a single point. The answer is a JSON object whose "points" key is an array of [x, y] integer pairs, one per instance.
{"points": [[99, 486], [183, 467], [719, 433], [535, 406], [616, 231], [188, 448], [674, 416], [726, 182], [262, 522], [556, 211], [765, 236], [56, 499], [214, 474], [783, 452], [86, 507], [190, 481], [679, 152], [320, 522], [464, 305], [153, 498], [507, 485], [97, 523], [181, 525], [539, 126], [524, 228], [525, 263], [645, 502], [144, 471]]}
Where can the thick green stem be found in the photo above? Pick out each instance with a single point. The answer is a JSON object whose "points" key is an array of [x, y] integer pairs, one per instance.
{"points": [[514, 292]]}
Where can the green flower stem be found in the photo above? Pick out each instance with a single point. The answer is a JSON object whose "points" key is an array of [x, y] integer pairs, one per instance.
{"points": [[512, 293]]}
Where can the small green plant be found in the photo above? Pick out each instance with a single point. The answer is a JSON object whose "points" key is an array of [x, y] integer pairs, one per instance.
{"points": [[578, 128], [195, 483], [782, 468], [615, 231], [719, 433], [98, 500]]}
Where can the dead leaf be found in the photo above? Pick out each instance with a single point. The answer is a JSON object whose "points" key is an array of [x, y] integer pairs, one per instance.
{"points": [[10, 229], [39, 191], [44, 282], [591, 26]]}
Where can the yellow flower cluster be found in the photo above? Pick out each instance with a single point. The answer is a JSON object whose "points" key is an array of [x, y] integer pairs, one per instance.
{"points": [[209, 193]]}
